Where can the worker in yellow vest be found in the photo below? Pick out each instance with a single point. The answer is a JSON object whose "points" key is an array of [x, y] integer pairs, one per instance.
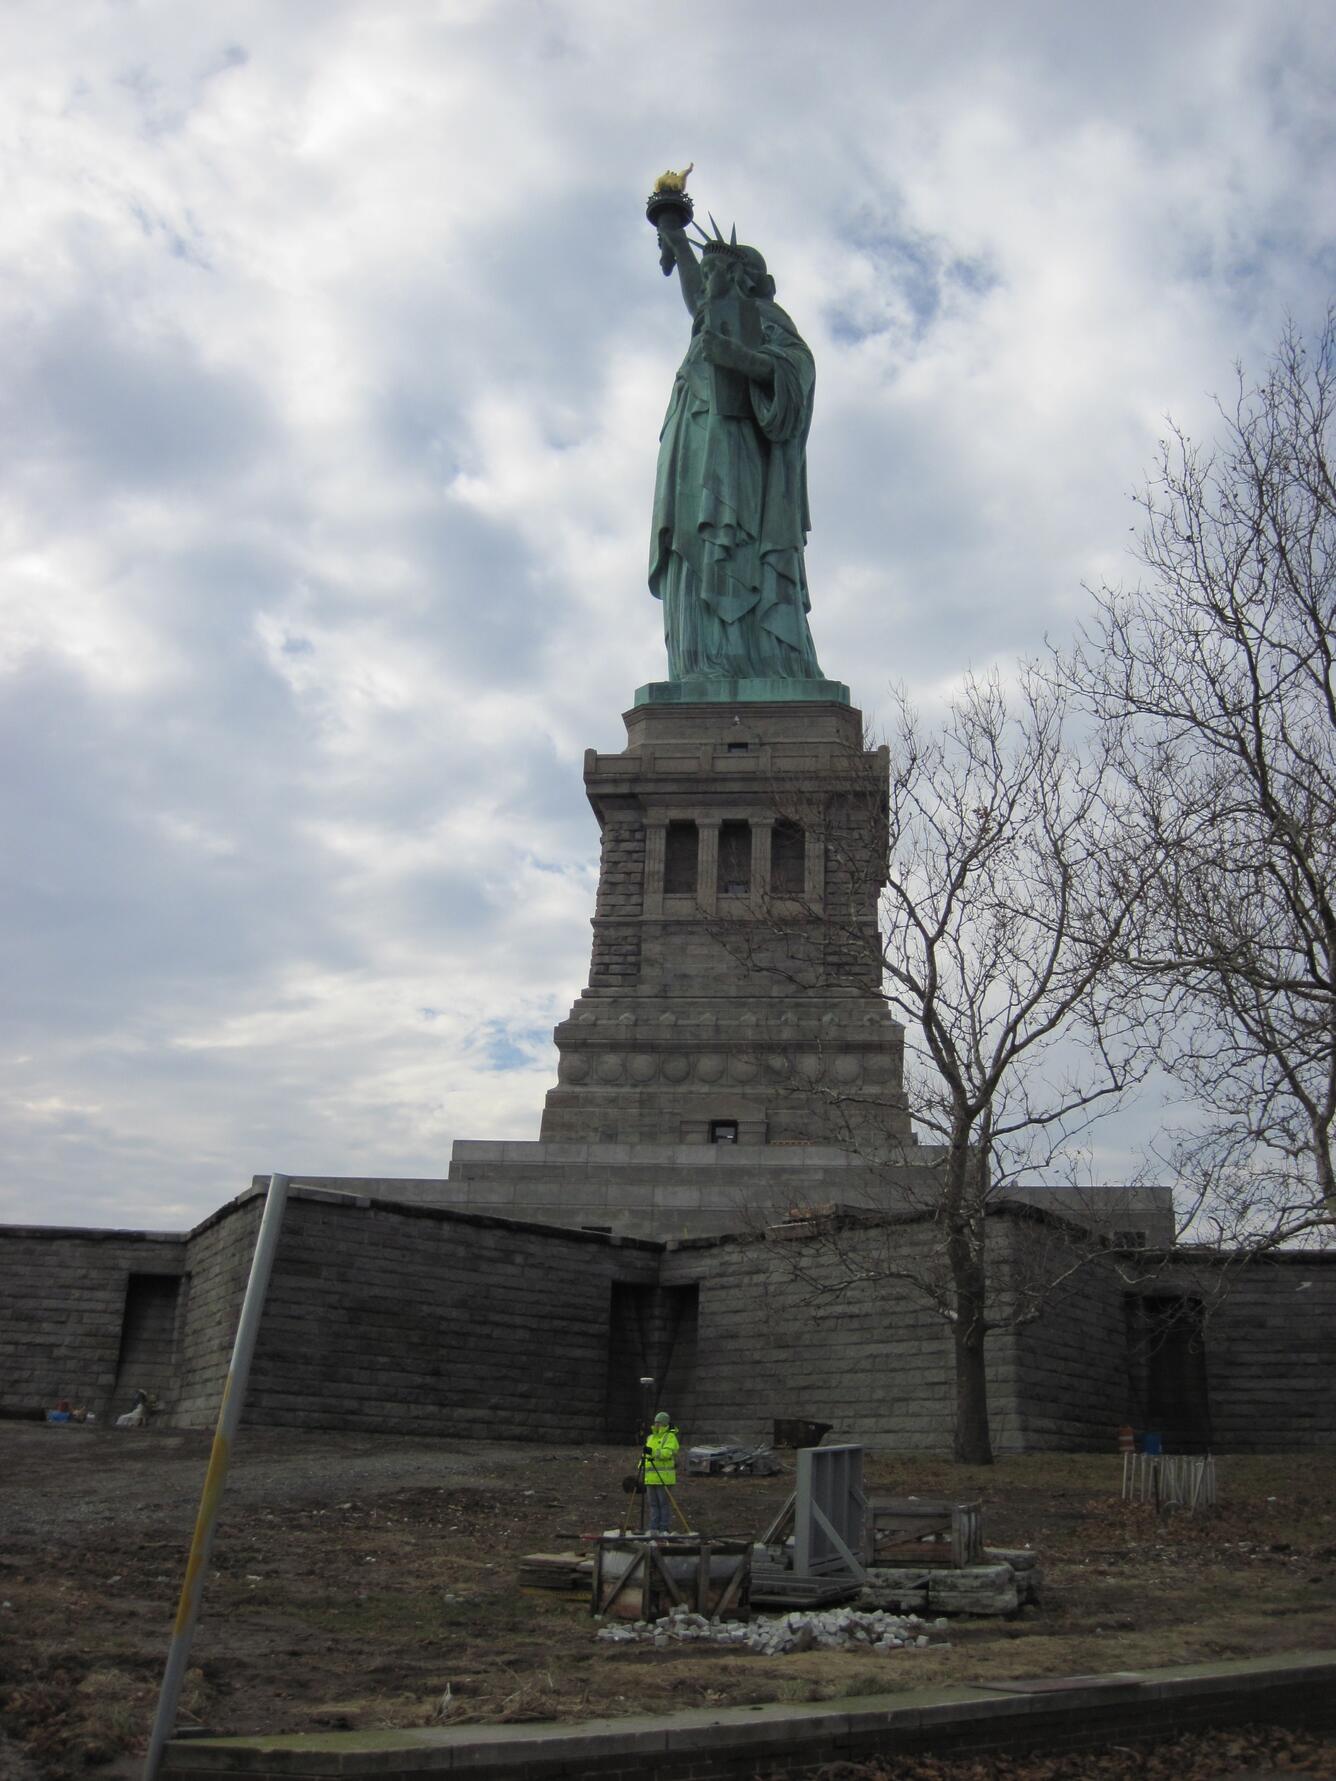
{"points": [[660, 1457]]}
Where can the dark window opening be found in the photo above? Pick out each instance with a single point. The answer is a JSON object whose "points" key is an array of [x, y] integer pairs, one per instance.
{"points": [[679, 860], [1167, 1365], [723, 1131], [734, 859], [788, 860], [739, 747]]}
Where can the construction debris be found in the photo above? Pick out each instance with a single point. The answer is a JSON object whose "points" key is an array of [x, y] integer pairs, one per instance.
{"points": [[775, 1587], [1002, 1585], [731, 1461], [799, 1431], [837, 1629], [923, 1531], [637, 1576], [569, 1572]]}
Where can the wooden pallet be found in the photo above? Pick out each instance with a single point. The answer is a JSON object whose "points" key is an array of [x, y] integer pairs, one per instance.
{"points": [[773, 1587], [566, 1571]]}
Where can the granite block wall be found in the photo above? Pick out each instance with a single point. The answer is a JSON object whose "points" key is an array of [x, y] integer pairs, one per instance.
{"points": [[1070, 1384], [1250, 1368], [62, 1311], [218, 1262], [405, 1317], [873, 1360], [616, 953], [1270, 1359]]}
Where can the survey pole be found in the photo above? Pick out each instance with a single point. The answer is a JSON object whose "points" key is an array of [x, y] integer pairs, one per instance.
{"points": [[229, 1415]]}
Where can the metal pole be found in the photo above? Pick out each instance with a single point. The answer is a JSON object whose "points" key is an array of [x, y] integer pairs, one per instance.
{"points": [[646, 1421], [229, 1415]]}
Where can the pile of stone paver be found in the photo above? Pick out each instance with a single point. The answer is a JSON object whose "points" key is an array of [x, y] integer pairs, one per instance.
{"points": [[829, 1629]]}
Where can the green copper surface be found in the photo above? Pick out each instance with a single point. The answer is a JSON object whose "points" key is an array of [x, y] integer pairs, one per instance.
{"points": [[708, 690], [730, 500]]}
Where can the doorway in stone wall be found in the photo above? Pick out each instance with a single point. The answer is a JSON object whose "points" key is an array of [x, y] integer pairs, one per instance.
{"points": [[651, 1332], [146, 1360], [1166, 1350]]}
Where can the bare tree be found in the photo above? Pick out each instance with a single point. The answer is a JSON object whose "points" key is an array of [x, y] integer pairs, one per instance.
{"points": [[1214, 684], [999, 921]]}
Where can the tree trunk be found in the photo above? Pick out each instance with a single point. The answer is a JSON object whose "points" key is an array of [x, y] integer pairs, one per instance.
{"points": [[965, 1238], [973, 1442]]}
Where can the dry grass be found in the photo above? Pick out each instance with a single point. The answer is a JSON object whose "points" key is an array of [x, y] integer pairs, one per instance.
{"points": [[331, 1605]]}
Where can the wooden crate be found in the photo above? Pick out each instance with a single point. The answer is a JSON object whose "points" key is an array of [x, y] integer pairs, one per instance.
{"points": [[642, 1577], [920, 1531]]}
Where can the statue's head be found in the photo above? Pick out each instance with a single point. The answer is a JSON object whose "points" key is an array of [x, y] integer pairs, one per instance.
{"points": [[728, 266]]}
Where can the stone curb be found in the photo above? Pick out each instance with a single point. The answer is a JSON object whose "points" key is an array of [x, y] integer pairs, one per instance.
{"points": [[1056, 1713]]}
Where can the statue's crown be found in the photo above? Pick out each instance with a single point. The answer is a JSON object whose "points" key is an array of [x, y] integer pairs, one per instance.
{"points": [[715, 244]]}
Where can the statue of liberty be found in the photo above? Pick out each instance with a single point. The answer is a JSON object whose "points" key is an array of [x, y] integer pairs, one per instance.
{"points": [[730, 499]]}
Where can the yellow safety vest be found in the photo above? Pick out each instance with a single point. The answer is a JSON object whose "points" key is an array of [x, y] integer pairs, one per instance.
{"points": [[661, 1446]]}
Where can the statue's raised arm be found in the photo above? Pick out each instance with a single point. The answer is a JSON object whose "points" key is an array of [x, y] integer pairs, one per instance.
{"points": [[730, 502], [679, 250], [669, 208]]}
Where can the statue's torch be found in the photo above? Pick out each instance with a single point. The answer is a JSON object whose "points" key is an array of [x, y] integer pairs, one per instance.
{"points": [[669, 207]]}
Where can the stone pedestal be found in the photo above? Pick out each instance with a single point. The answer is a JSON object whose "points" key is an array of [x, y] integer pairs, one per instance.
{"points": [[734, 989]]}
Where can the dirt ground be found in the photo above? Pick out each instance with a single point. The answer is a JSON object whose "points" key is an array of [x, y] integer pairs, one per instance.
{"points": [[364, 1581]]}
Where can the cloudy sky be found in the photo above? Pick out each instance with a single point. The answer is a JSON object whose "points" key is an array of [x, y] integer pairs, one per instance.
{"points": [[335, 353]]}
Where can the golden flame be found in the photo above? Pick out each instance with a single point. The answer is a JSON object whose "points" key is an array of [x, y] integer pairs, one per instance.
{"points": [[673, 182]]}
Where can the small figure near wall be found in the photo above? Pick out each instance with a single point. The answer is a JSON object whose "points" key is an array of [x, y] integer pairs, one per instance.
{"points": [[137, 1418]]}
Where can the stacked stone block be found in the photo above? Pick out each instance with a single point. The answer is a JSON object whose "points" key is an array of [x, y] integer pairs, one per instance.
{"points": [[713, 1003], [734, 994], [218, 1260], [616, 955], [385, 1316], [62, 1309], [1069, 1375], [872, 1360], [1267, 1346], [413, 1318]]}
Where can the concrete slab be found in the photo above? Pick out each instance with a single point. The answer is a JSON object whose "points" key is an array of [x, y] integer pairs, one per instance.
{"points": [[1048, 1713]]}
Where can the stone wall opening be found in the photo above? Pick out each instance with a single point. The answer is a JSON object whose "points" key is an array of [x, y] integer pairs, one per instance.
{"points": [[1166, 1348], [681, 851], [146, 1360], [651, 1334], [735, 859], [788, 860]]}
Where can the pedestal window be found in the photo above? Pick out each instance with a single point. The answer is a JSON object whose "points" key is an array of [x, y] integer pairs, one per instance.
{"points": [[788, 860], [680, 853], [735, 859]]}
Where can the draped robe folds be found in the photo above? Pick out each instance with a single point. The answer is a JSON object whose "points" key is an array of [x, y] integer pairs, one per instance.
{"points": [[731, 518]]}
